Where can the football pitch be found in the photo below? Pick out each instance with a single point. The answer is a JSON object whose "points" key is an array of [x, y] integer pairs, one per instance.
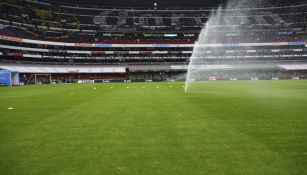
{"points": [[222, 127]]}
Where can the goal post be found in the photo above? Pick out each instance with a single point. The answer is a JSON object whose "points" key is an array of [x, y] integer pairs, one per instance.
{"points": [[39, 79]]}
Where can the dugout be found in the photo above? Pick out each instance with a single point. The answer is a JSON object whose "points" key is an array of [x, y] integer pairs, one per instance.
{"points": [[9, 78]]}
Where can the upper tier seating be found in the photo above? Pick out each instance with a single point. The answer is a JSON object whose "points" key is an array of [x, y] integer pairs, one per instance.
{"points": [[39, 19]]}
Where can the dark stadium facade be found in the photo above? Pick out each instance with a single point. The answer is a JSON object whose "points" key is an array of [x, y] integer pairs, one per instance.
{"points": [[70, 42]]}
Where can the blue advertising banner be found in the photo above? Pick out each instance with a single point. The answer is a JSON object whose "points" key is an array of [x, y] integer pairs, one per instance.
{"points": [[296, 43]]}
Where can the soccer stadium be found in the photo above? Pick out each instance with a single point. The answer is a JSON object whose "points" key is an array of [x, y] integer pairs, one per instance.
{"points": [[131, 87]]}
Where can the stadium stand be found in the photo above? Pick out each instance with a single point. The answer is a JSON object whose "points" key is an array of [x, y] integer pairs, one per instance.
{"points": [[151, 44]]}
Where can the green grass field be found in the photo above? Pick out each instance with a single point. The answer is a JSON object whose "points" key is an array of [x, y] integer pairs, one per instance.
{"points": [[239, 128]]}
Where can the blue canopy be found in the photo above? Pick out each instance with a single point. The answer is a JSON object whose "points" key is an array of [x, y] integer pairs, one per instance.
{"points": [[9, 77]]}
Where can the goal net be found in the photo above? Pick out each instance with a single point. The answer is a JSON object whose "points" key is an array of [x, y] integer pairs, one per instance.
{"points": [[39, 79]]}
